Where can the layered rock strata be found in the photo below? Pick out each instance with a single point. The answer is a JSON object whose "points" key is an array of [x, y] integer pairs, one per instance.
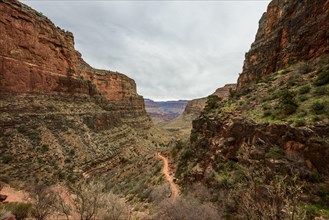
{"points": [[58, 114]]}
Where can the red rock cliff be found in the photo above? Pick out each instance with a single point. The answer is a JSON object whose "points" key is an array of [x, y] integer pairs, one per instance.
{"points": [[290, 31], [38, 57], [47, 90]]}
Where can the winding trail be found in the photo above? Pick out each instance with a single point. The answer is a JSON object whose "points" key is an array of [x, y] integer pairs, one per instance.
{"points": [[166, 171]]}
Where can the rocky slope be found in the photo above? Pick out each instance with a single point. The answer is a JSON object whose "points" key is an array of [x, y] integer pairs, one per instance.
{"points": [[276, 123], [164, 111], [61, 118], [289, 32]]}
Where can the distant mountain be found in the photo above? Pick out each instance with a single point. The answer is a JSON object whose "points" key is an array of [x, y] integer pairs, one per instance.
{"points": [[182, 124], [165, 110]]}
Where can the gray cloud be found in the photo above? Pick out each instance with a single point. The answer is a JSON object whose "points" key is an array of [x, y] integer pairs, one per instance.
{"points": [[172, 49]]}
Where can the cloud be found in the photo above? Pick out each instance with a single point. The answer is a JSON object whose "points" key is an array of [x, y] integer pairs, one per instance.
{"points": [[172, 49]]}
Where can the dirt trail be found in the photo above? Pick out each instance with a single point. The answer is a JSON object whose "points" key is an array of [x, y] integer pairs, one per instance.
{"points": [[166, 171]]}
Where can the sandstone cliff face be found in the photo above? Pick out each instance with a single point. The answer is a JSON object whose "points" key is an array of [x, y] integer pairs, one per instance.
{"points": [[57, 112], [290, 31], [38, 57]]}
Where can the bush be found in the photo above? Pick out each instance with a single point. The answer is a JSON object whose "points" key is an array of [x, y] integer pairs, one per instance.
{"points": [[318, 107], [287, 102], [44, 148], [320, 91], [303, 98], [212, 102], [322, 78], [304, 89]]}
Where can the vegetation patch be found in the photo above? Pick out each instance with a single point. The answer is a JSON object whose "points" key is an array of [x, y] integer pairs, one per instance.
{"points": [[322, 78]]}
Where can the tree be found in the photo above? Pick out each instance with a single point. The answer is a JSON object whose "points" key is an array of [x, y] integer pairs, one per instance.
{"points": [[287, 102], [92, 202], [89, 199], [62, 207], [44, 204]]}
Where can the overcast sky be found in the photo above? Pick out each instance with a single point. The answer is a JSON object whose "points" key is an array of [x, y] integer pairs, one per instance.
{"points": [[172, 49]]}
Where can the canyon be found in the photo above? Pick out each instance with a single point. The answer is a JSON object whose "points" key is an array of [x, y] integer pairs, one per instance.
{"points": [[258, 149], [270, 125]]}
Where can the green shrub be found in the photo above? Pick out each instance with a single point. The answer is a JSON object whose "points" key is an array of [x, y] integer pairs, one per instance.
{"points": [[44, 148], [287, 102], [303, 98], [318, 107], [322, 78], [320, 91], [212, 102], [304, 89], [187, 153]]}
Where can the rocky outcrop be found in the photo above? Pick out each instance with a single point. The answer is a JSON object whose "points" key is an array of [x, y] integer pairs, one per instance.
{"points": [[60, 116], [224, 92], [229, 137], [289, 31]]}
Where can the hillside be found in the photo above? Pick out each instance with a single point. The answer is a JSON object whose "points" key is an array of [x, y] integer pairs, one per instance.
{"points": [[61, 118], [272, 132]]}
